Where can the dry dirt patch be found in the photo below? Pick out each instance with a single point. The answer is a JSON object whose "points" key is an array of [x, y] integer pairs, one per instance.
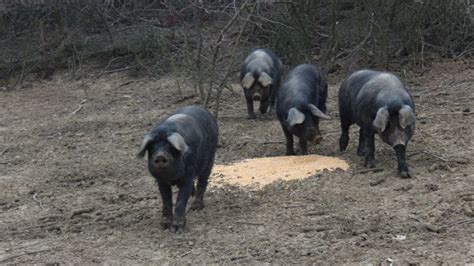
{"points": [[258, 172], [71, 183]]}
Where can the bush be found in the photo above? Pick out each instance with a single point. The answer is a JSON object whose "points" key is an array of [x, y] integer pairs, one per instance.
{"points": [[372, 31], [204, 42]]}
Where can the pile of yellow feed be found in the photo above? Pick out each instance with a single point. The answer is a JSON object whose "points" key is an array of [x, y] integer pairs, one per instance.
{"points": [[259, 172]]}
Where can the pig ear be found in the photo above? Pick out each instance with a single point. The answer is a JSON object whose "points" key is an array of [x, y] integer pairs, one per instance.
{"points": [[248, 80], [381, 119], [178, 142], [265, 79], [295, 117], [316, 112], [406, 116], [146, 140]]}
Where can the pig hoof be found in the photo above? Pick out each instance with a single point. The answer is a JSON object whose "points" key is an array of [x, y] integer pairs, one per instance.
{"points": [[405, 174], [370, 163], [178, 229], [178, 225], [197, 205], [166, 222]]}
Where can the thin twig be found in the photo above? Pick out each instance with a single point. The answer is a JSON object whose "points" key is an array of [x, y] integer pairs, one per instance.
{"points": [[463, 53], [78, 108], [413, 154], [232, 116], [37, 201], [232, 258], [218, 46], [27, 245], [125, 132], [184, 254], [427, 209], [249, 223], [9, 257], [120, 69], [355, 50], [369, 170], [270, 142], [81, 211], [238, 257], [295, 205], [378, 181], [453, 113], [435, 156], [459, 222]]}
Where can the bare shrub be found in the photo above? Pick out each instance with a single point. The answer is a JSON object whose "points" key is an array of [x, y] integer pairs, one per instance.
{"points": [[204, 42]]}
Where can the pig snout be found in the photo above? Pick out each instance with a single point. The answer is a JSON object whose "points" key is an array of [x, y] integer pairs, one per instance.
{"points": [[317, 139], [398, 143], [257, 97], [161, 160], [313, 135], [397, 138]]}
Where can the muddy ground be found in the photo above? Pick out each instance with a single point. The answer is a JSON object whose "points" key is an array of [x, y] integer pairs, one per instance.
{"points": [[72, 191]]}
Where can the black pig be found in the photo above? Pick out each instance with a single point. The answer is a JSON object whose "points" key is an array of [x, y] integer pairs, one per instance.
{"points": [[379, 103], [301, 102], [260, 76], [181, 149]]}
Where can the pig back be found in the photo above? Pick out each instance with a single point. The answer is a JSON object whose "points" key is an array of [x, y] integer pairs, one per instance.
{"points": [[200, 132], [305, 84], [381, 90], [262, 60]]}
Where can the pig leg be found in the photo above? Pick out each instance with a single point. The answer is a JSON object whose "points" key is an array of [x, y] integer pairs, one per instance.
{"points": [[251, 114], [303, 146], [289, 142], [344, 140], [179, 220], [167, 199], [361, 147], [369, 136], [272, 98], [198, 203], [263, 106], [402, 164]]}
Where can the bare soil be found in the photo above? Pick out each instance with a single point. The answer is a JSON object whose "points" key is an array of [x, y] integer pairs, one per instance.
{"points": [[71, 190]]}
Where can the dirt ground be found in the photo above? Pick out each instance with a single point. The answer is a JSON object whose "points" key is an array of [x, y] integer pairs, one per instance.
{"points": [[71, 190]]}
